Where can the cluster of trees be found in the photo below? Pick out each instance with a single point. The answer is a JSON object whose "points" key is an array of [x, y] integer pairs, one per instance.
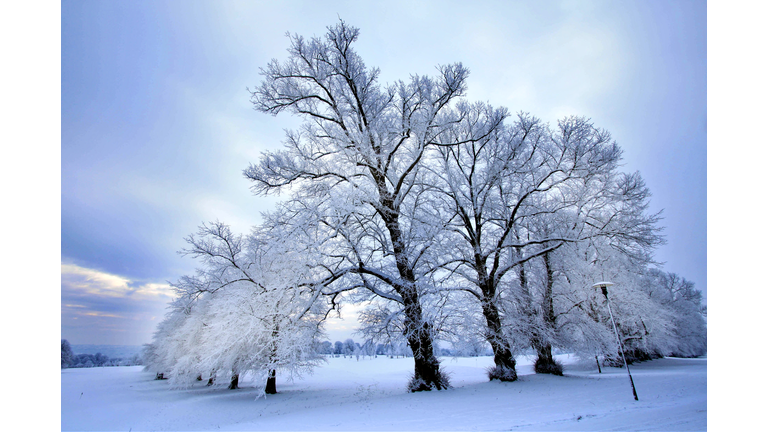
{"points": [[71, 360], [348, 348], [450, 220], [351, 348]]}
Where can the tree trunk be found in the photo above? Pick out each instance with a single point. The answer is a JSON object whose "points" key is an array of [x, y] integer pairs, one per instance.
{"points": [[271, 387], [234, 381], [545, 363], [271, 383], [426, 374], [502, 356]]}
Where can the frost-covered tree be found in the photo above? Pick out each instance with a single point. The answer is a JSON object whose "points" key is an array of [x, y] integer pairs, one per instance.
{"points": [[349, 347], [166, 347], [582, 322], [67, 356], [500, 183], [368, 348], [357, 164], [616, 223], [683, 300], [245, 311], [324, 347]]}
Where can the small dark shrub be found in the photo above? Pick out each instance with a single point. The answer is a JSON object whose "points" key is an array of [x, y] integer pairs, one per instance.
{"points": [[547, 367], [634, 356], [416, 385], [501, 373]]}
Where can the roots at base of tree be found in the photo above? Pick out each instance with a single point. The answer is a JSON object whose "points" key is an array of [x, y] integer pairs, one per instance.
{"points": [[502, 373], [440, 382], [546, 366]]}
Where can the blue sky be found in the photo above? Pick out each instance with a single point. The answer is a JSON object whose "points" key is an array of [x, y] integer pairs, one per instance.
{"points": [[156, 124]]}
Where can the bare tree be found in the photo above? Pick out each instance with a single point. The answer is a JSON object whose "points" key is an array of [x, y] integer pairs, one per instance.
{"points": [[613, 221], [357, 165], [680, 296], [247, 309], [499, 181]]}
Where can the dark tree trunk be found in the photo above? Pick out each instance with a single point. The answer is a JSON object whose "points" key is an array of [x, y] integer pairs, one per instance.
{"points": [[502, 356], [210, 381], [160, 376], [426, 373], [545, 363], [271, 387], [504, 369], [234, 381], [271, 383], [504, 360]]}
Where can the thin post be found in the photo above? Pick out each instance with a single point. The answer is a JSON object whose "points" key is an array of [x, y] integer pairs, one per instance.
{"points": [[618, 339]]}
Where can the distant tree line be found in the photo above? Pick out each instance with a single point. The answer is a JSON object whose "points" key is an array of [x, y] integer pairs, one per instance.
{"points": [[370, 349], [71, 360], [353, 349]]}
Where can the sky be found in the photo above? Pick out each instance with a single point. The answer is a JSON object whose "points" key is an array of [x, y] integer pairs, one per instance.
{"points": [[157, 127]]}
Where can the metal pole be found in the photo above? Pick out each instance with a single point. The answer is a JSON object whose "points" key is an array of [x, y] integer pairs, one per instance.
{"points": [[618, 339]]}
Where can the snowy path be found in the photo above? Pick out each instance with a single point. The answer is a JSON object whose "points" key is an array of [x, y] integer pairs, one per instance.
{"points": [[369, 394]]}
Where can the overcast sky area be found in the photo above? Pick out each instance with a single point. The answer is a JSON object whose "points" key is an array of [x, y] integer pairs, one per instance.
{"points": [[157, 127]]}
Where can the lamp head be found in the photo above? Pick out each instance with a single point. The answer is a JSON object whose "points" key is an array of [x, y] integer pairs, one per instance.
{"points": [[603, 286]]}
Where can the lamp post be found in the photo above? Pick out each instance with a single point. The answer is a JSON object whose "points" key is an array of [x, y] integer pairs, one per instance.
{"points": [[604, 287]]}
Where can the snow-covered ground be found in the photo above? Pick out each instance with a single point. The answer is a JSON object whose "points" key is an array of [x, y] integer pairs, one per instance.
{"points": [[369, 394]]}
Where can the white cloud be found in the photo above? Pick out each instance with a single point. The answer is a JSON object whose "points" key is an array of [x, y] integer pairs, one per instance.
{"points": [[100, 307], [98, 283]]}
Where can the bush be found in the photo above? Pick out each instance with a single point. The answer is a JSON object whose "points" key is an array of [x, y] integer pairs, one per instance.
{"points": [[415, 385], [543, 366], [633, 356], [501, 373]]}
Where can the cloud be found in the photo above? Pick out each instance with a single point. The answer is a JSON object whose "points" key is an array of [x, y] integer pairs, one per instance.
{"points": [[100, 307], [96, 283]]}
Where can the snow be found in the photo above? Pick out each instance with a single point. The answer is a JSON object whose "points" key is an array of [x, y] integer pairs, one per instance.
{"points": [[369, 394]]}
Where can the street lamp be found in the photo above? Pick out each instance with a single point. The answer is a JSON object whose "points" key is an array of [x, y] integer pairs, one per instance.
{"points": [[604, 287]]}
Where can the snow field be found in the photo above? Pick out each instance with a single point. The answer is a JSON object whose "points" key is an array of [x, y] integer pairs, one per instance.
{"points": [[369, 394]]}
